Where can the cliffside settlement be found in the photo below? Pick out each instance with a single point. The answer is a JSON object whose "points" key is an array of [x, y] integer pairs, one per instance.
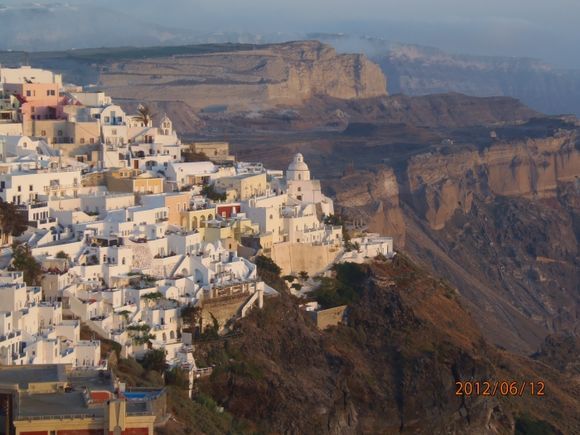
{"points": [[123, 234]]}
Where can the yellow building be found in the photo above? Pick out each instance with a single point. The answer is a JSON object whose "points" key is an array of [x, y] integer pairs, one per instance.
{"points": [[229, 232], [194, 219], [242, 187], [133, 180]]}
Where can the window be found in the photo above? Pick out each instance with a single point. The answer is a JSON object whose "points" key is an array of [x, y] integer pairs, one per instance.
{"points": [[82, 141], [30, 188], [28, 93], [20, 188], [91, 140], [107, 119], [59, 133], [43, 133], [114, 132]]}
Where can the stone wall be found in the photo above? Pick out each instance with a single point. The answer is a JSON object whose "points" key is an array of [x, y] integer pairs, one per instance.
{"points": [[223, 309], [298, 257], [329, 317]]}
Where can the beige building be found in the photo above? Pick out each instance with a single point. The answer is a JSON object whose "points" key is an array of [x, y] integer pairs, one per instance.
{"points": [[242, 187], [133, 180], [215, 151]]}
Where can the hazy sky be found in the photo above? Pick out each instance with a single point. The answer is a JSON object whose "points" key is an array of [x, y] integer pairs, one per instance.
{"points": [[549, 30], [537, 28]]}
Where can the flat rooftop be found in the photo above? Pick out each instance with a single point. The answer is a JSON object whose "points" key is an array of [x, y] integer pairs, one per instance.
{"points": [[56, 404], [30, 374]]}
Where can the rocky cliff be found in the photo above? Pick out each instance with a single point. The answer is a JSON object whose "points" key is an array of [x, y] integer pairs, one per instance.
{"points": [[498, 219], [250, 79], [391, 368], [440, 184]]}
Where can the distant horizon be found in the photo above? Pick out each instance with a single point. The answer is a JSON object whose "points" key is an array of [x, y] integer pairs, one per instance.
{"points": [[347, 47], [509, 28]]}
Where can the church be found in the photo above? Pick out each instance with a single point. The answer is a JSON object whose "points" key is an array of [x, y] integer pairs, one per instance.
{"points": [[300, 187]]}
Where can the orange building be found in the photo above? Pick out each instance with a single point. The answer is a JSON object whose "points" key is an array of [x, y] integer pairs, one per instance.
{"points": [[176, 202]]}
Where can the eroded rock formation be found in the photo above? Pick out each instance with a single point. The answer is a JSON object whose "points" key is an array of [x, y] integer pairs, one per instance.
{"points": [[264, 77], [441, 184]]}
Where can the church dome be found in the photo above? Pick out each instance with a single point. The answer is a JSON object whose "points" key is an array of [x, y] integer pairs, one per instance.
{"points": [[298, 164]]}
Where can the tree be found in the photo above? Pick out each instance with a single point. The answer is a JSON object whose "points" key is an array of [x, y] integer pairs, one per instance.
{"points": [[154, 360], [190, 315], [209, 191], [270, 272], [140, 333], [144, 114], [62, 255], [12, 221], [178, 377], [303, 275], [22, 260]]}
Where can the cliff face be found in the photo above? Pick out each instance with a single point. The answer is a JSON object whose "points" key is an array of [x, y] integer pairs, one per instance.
{"points": [[373, 200], [500, 222], [315, 69], [259, 78], [441, 184]]}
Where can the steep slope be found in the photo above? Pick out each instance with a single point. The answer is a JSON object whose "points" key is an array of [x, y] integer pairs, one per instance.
{"points": [[391, 369], [500, 221]]}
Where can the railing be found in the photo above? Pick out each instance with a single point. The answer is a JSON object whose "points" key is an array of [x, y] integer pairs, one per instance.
{"points": [[57, 417], [11, 335]]}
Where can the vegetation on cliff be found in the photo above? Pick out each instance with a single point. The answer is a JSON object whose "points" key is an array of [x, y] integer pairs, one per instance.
{"points": [[392, 368]]}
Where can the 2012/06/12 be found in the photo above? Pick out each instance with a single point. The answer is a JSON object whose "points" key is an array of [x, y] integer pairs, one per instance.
{"points": [[502, 388]]}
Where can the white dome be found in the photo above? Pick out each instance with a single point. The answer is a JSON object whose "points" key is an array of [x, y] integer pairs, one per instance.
{"points": [[298, 164]]}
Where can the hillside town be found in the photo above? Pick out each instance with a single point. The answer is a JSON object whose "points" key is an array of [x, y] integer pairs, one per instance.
{"points": [[113, 228]]}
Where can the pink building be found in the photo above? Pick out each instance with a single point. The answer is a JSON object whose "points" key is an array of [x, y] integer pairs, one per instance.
{"points": [[39, 100]]}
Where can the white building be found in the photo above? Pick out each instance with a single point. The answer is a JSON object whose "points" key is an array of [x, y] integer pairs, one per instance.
{"points": [[301, 187]]}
